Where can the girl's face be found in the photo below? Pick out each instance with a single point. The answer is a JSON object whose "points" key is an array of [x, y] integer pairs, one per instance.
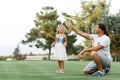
{"points": [[61, 29]]}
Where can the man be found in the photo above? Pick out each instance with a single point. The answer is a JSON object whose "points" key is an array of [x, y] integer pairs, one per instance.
{"points": [[100, 52]]}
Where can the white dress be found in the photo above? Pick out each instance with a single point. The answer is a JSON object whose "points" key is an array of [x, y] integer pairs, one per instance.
{"points": [[60, 50]]}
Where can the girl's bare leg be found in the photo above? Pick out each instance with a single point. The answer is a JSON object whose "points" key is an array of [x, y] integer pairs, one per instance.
{"points": [[59, 65], [62, 65]]}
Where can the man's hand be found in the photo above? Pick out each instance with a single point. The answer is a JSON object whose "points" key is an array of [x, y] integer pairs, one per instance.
{"points": [[69, 25], [82, 52]]}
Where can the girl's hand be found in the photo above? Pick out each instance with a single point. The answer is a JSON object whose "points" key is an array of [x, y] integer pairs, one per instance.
{"points": [[65, 44], [52, 44], [79, 55]]}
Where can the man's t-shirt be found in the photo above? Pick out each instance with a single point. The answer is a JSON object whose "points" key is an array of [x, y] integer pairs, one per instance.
{"points": [[103, 40]]}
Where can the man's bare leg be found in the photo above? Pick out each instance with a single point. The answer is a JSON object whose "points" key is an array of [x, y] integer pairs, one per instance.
{"points": [[97, 60], [90, 72]]}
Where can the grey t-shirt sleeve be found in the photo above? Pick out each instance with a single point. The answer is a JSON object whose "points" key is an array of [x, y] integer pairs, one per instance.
{"points": [[92, 36]]}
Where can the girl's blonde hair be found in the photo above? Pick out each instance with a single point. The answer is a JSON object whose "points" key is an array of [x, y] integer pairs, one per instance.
{"points": [[57, 29]]}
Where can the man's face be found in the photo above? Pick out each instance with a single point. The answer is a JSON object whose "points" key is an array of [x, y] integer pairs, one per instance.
{"points": [[97, 29]]}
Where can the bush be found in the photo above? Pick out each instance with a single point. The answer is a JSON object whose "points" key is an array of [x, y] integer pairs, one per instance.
{"points": [[3, 58], [19, 57], [86, 57], [45, 58], [23, 57]]}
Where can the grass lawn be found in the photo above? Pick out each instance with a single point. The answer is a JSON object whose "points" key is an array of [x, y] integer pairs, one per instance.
{"points": [[45, 70]]}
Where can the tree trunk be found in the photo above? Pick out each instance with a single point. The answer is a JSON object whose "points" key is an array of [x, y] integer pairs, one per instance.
{"points": [[49, 54]]}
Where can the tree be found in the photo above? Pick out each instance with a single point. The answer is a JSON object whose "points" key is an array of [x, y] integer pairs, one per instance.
{"points": [[16, 53], [113, 26], [44, 33], [91, 14], [71, 39]]}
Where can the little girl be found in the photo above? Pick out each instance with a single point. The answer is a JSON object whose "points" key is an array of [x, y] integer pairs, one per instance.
{"points": [[60, 51]]}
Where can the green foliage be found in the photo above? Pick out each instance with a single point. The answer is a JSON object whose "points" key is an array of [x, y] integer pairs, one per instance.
{"points": [[17, 55], [86, 57], [88, 43], [90, 14], [113, 25], [77, 49], [71, 39], [44, 33], [3, 58]]}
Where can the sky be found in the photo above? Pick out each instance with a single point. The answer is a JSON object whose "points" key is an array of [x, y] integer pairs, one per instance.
{"points": [[16, 19]]}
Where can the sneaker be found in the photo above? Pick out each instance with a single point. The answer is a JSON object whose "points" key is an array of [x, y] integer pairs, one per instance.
{"points": [[98, 73], [107, 70]]}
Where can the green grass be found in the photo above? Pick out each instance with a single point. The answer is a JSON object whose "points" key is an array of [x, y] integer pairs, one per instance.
{"points": [[45, 70]]}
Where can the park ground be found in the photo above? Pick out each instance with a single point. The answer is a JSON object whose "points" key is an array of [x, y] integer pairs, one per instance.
{"points": [[45, 70]]}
